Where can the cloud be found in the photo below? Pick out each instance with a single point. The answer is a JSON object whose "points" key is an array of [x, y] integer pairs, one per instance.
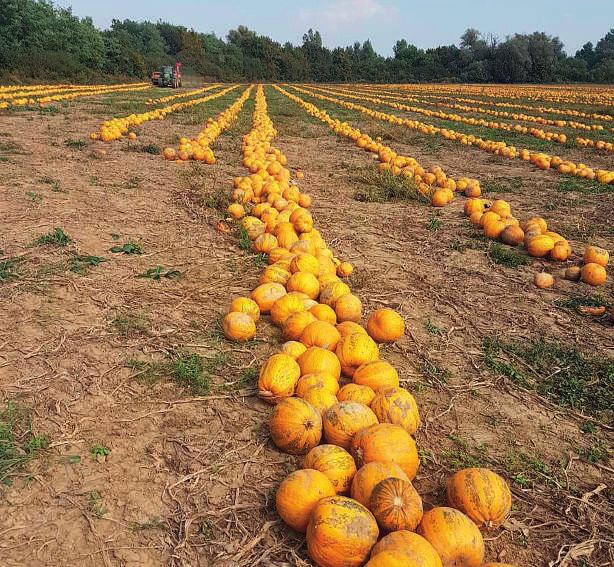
{"points": [[341, 13]]}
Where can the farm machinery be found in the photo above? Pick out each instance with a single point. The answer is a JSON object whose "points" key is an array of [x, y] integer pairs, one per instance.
{"points": [[168, 76]]}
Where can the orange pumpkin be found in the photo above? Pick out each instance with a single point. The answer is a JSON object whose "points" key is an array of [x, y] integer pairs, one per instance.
{"points": [[324, 313], [481, 494], [265, 295], [355, 350], [386, 442], [345, 269], [284, 307], [320, 334], [295, 324], [245, 305], [343, 420], [540, 246], [593, 274], [274, 274], [370, 475], [278, 377], [473, 206], [332, 291], [501, 207], [561, 251], [264, 243], [298, 495], [454, 536], [239, 326], [316, 360], [335, 462], [293, 349], [385, 326], [356, 393], [341, 533], [305, 262], [348, 308], [320, 398], [411, 545], [304, 282], [296, 426], [349, 328], [377, 374], [596, 255], [396, 505], [316, 380], [543, 280], [396, 405]]}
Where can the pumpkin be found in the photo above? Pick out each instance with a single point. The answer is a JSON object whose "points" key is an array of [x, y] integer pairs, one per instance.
{"points": [[235, 210], [293, 349], [411, 545], [316, 359], [376, 374], [304, 282], [341, 533], [396, 405], [573, 273], [316, 380], [454, 536], [305, 263], [385, 326], [332, 291], [298, 495], [392, 559], [386, 442], [370, 475], [538, 222], [593, 274], [266, 294], [396, 505], [475, 218], [294, 325], [343, 420], [295, 425], [596, 255], [320, 398], [473, 206], [356, 393], [264, 243], [543, 280], [355, 350], [278, 254], [335, 462], [348, 308], [284, 307], [274, 274], [481, 494], [286, 238], [239, 326], [324, 313], [245, 305], [501, 207], [494, 229], [540, 246], [278, 377], [345, 269], [489, 216], [561, 251], [349, 328], [320, 334], [498, 565]]}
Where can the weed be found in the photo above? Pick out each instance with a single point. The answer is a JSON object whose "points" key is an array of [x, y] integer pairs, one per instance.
{"points": [[499, 254], [133, 183], [434, 224], [8, 269], [35, 197], [261, 260], [188, 370], [80, 264], [595, 453], [99, 450], [130, 323], [433, 373], [127, 248], [54, 184], [114, 236], [154, 523], [57, 237], [381, 186], [462, 455], [585, 186], [96, 504], [244, 241], [577, 301], [158, 273], [75, 144], [502, 185], [588, 427], [152, 149], [432, 328], [216, 200]]}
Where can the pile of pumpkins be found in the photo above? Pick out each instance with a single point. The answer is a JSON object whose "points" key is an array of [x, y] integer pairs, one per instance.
{"points": [[497, 222], [328, 383]]}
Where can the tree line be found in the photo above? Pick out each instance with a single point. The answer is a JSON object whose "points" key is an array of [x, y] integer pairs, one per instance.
{"points": [[39, 41]]}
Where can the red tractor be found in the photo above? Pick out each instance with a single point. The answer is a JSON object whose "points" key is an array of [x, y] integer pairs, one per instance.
{"points": [[168, 76]]}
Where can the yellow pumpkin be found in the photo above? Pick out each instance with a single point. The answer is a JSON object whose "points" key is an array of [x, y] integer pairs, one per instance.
{"points": [[540, 246], [304, 282], [239, 326], [356, 393], [411, 546], [265, 295], [349, 328], [293, 349], [278, 378], [324, 313], [355, 350], [264, 243], [316, 360], [385, 326], [331, 292], [335, 462], [284, 307], [275, 273], [294, 325], [398, 406], [370, 475], [596, 255], [320, 334], [344, 419], [376, 374], [593, 274], [316, 380], [348, 308], [304, 262], [320, 398], [247, 306]]}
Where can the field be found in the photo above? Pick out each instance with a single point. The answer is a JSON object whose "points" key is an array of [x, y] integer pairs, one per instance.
{"points": [[132, 431]]}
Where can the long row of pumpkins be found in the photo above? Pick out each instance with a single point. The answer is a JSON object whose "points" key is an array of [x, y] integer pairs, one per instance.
{"points": [[358, 484]]}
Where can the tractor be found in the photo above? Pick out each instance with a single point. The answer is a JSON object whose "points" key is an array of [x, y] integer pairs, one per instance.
{"points": [[168, 76]]}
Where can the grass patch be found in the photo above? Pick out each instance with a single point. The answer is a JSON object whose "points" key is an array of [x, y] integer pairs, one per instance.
{"points": [[504, 256], [434, 224], [35, 197], [130, 323], [75, 144], [244, 241], [96, 504], [133, 183], [381, 186], [57, 237], [432, 328], [462, 455], [127, 248], [576, 302], [8, 269], [54, 184], [433, 373], [158, 273], [506, 185], [261, 260], [99, 450], [561, 373], [585, 186], [526, 470], [81, 264]]}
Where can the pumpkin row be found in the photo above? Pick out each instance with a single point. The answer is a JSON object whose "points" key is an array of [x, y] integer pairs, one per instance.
{"points": [[186, 94]]}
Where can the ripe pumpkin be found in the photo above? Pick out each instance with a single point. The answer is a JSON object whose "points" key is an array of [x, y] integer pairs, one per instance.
{"points": [[385, 326], [396, 405], [481, 494], [278, 377], [596, 255], [315, 360], [593, 274], [239, 326], [304, 262], [320, 398], [349, 328], [245, 305], [335, 462], [295, 324], [396, 505], [324, 313], [538, 222], [345, 269], [332, 291], [266, 294], [298, 495], [284, 307], [512, 235], [411, 545], [454, 536], [376, 374], [540, 246], [275, 274], [264, 243], [316, 380], [573, 273], [320, 334], [370, 475], [356, 393], [343, 420], [489, 216], [494, 229], [355, 350], [341, 533], [502, 208], [386, 442], [473, 206], [304, 282], [561, 251], [543, 280], [296, 426], [348, 308]]}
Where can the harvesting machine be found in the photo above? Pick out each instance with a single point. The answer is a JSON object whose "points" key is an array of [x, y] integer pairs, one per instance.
{"points": [[167, 76]]}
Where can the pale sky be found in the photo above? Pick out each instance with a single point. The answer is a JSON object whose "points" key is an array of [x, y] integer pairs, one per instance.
{"points": [[341, 22]]}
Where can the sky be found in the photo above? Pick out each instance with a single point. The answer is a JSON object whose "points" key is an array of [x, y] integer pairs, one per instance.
{"points": [[342, 22]]}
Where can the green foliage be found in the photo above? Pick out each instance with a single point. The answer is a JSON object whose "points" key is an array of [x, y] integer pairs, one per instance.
{"points": [[75, 144], [188, 369], [80, 264], [8, 270], [505, 256], [381, 186], [57, 237], [158, 273], [127, 248], [99, 450]]}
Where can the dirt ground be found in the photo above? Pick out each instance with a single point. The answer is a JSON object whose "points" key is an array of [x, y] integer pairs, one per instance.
{"points": [[138, 468]]}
